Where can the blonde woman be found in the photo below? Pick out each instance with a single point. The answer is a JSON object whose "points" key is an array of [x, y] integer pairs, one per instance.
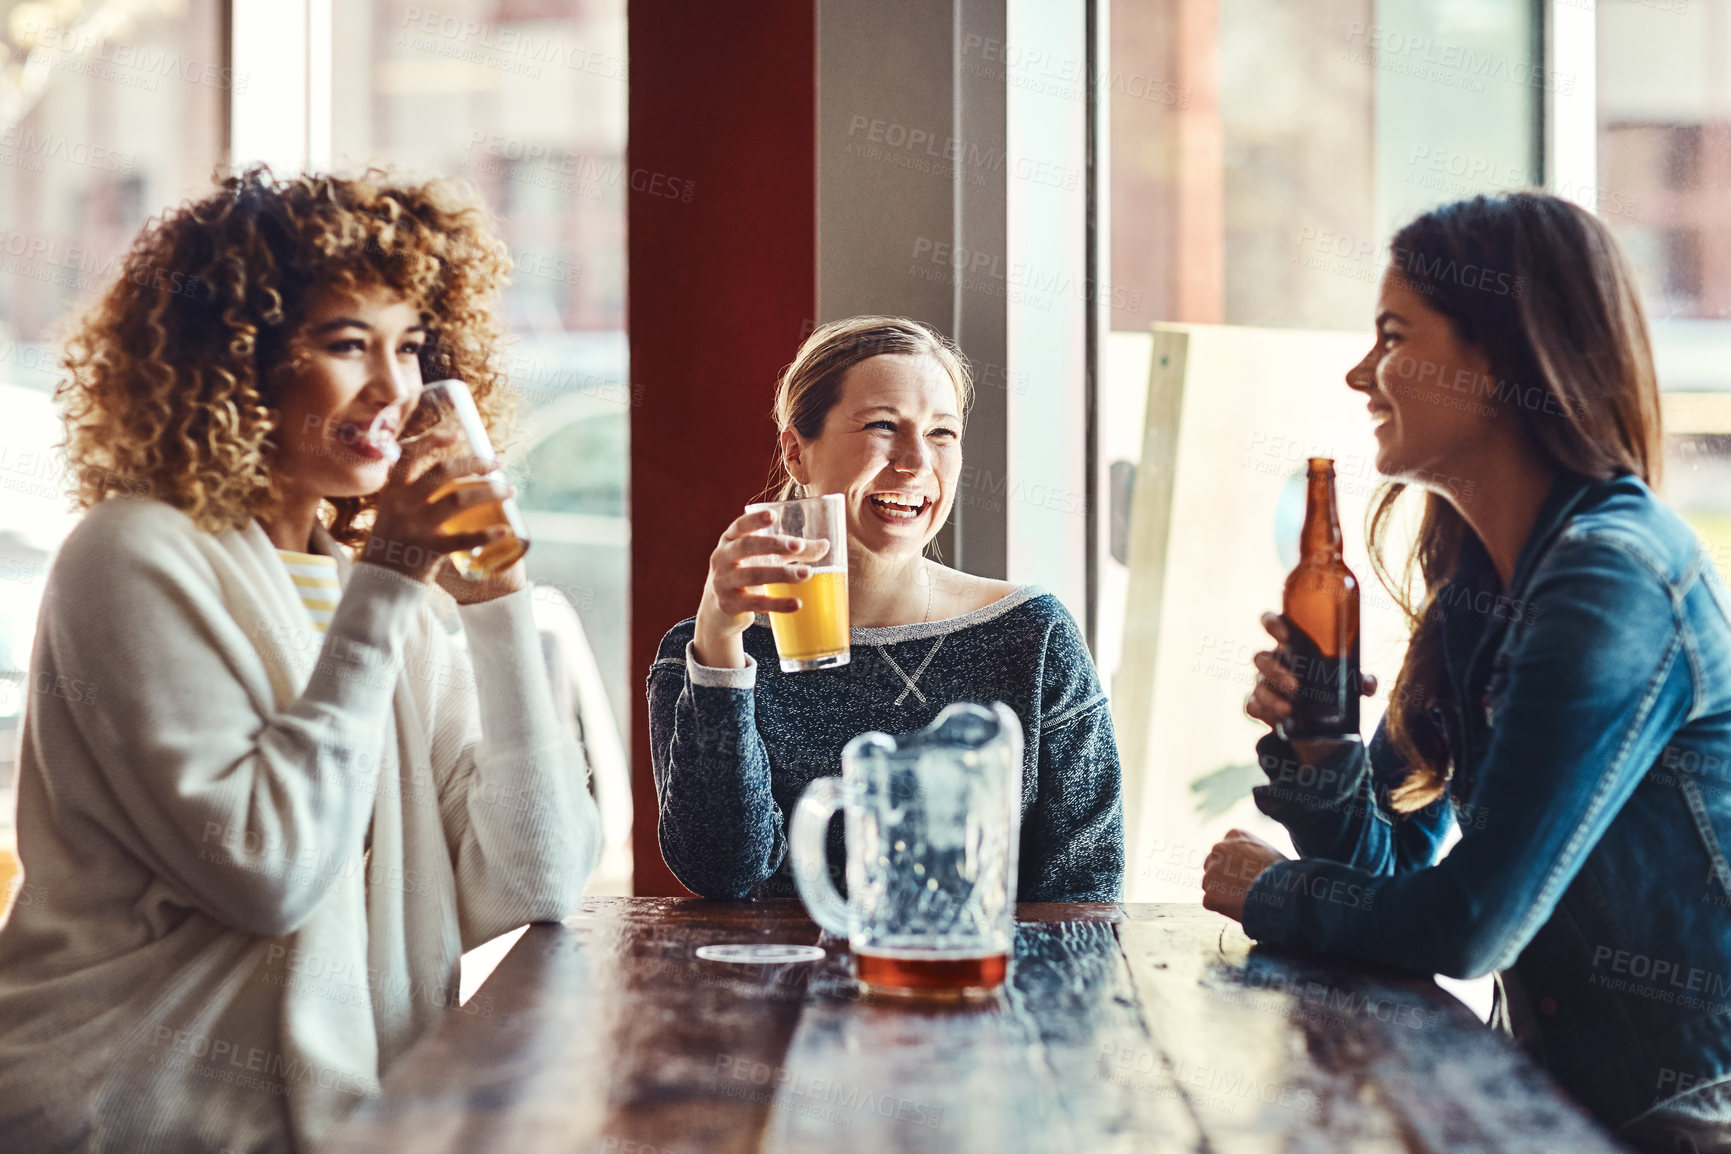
{"points": [[283, 802], [873, 408]]}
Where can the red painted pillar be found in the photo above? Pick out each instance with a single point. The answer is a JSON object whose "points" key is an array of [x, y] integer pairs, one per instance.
{"points": [[722, 275]]}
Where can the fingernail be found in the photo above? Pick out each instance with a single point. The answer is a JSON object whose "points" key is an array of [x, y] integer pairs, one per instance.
{"points": [[802, 571]]}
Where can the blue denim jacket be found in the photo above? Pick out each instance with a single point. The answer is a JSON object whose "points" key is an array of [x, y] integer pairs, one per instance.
{"points": [[1591, 756]]}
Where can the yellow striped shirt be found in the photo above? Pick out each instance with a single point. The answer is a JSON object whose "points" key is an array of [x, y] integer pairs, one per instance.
{"points": [[315, 579]]}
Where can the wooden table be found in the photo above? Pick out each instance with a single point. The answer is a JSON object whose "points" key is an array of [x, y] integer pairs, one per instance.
{"points": [[1136, 1027]]}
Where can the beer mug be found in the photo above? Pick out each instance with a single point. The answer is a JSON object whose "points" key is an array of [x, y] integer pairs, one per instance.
{"points": [[447, 416], [814, 636], [933, 825]]}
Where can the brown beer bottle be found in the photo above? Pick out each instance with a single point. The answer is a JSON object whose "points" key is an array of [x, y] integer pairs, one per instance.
{"points": [[1321, 614]]}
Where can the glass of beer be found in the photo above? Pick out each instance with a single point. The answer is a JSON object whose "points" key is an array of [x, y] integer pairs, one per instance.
{"points": [[932, 827], [447, 417], [814, 636]]}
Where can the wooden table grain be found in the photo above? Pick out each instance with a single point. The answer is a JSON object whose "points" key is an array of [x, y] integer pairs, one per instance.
{"points": [[1123, 1027]]}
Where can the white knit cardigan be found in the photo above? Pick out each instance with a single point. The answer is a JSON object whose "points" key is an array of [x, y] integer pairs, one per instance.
{"points": [[209, 958]]}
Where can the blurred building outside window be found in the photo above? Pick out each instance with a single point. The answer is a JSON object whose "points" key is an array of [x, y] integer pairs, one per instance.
{"points": [[1261, 153], [110, 111], [113, 111], [1664, 131], [525, 100]]}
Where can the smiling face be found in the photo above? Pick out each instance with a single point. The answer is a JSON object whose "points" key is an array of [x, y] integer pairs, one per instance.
{"points": [[356, 376], [1427, 389], [892, 445]]}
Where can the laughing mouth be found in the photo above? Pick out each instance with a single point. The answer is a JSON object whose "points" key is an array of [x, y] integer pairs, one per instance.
{"points": [[900, 506], [379, 440]]}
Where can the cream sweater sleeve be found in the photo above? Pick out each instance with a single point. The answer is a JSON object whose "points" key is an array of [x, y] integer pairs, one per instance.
{"points": [[249, 811], [523, 828]]}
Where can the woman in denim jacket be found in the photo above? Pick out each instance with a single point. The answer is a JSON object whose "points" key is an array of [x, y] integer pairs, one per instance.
{"points": [[1566, 694]]}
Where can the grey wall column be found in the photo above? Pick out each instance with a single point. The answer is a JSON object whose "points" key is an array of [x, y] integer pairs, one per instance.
{"points": [[912, 176]]}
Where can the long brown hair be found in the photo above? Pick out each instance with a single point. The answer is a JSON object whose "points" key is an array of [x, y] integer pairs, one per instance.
{"points": [[1541, 287], [811, 385]]}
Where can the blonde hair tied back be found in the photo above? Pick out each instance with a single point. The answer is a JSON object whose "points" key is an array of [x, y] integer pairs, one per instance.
{"points": [[811, 385]]}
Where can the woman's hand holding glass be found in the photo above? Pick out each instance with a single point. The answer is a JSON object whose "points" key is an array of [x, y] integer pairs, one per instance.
{"points": [[744, 560], [408, 534]]}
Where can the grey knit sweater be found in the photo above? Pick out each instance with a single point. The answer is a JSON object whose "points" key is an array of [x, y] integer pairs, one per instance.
{"points": [[734, 749]]}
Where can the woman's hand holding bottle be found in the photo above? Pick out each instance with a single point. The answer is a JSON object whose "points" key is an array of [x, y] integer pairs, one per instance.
{"points": [[1270, 701]]}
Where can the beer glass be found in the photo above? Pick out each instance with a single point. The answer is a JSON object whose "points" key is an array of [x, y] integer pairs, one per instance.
{"points": [[447, 416], [814, 636], [933, 826]]}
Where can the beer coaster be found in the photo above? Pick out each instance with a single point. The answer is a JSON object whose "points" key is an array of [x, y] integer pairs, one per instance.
{"points": [[760, 955]]}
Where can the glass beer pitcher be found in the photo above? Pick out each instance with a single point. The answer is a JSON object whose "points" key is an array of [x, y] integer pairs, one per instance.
{"points": [[933, 825]]}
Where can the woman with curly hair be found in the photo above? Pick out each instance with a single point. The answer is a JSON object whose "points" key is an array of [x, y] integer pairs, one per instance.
{"points": [[262, 827]]}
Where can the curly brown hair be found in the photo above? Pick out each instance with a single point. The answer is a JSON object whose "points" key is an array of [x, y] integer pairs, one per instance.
{"points": [[173, 378]]}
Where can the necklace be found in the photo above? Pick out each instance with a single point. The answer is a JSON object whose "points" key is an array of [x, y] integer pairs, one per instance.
{"points": [[928, 616]]}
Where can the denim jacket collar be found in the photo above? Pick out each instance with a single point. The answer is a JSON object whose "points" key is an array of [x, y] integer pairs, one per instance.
{"points": [[1470, 633], [1565, 494], [1464, 628]]}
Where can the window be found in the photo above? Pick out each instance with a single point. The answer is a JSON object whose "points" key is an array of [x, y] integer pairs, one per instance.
{"points": [[1664, 118], [109, 112], [117, 110], [1260, 158], [526, 102], [1682, 248], [1683, 157]]}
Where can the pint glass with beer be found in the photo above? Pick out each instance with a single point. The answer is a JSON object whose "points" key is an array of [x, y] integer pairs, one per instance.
{"points": [[814, 636], [448, 418]]}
